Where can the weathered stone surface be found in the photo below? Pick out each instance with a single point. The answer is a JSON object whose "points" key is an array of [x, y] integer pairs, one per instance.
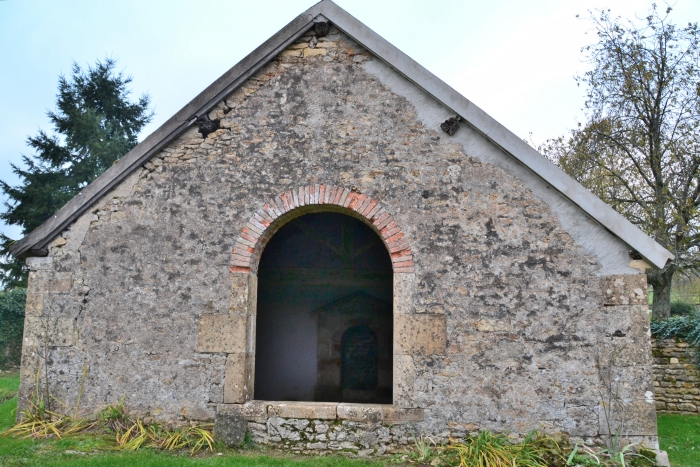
{"points": [[638, 417], [55, 332], [317, 410], [238, 383], [361, 412], [393, 415], [677, 378], [420, 334], [625, 290], [37, 281], [404, 381], [662, 459], [35, 263], [230, 427], [223, 333], [404, 290], [253, 411], [243, 293], [35, 304]]}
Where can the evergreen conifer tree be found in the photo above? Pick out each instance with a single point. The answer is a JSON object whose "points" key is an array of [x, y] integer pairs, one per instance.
{"points": [[94, 124]]}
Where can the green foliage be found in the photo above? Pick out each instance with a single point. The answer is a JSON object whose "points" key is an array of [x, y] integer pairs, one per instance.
{"points": [[138, 435], [423, 448], [94, 125], [495, 450], [686, 327], [681, 308], [113, 418], [11, 326]]}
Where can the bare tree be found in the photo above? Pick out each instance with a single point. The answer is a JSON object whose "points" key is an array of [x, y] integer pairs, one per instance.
{"points": [[639, 149]]}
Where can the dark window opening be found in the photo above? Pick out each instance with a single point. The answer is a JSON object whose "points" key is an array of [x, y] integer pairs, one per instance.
{"points": [[324, 313], [359, 358]]}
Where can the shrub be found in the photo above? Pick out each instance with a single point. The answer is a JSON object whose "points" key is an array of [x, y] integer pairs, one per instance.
{"points": [[11, 326], [686, 327], [681, 308]]}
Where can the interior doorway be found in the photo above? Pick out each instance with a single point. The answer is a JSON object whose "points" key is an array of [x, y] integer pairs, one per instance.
{"points": [[324, 313]]}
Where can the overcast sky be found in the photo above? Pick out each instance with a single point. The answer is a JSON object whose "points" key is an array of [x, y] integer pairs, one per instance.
{"points": [[515, 59]]}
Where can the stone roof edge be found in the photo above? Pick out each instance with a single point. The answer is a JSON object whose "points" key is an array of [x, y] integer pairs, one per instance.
{"points": [[402, 63]]}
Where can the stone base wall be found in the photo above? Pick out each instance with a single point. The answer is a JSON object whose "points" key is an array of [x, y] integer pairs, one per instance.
{"points": [[306, 436], [316, 427], [676, 377]]}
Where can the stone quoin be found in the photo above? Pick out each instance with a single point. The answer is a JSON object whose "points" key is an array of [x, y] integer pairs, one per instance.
{"points": [[311, 247]]}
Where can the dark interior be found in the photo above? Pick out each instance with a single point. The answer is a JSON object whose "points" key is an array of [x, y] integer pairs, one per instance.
{"points": [[324, 317]]}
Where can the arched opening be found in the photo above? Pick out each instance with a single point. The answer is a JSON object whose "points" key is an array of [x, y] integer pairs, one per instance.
{"points": [[324, 313]]}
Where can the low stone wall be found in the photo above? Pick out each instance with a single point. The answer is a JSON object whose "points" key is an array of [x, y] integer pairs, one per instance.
{"points": [[315, 427], [676, 377]]}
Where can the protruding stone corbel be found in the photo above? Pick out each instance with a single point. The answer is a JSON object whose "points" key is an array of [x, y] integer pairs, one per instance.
{"points": [[451, 125], [206, 125], [322, 28]]}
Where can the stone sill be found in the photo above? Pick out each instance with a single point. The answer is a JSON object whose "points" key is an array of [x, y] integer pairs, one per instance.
{"points": [[260, 411]]}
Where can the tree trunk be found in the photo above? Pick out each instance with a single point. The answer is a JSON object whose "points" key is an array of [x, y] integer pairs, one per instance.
{"points": [[661, 304]]}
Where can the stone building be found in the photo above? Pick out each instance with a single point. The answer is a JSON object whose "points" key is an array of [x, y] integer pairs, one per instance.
{"points": [[335, 244]]}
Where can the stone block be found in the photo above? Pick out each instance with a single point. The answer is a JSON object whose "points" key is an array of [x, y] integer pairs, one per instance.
{"points": [[420, 334], [243, 294], [625, 290], [238, 383], [30, 364], [393, 415], [687, 407], [493, 325], [35, 304], [223, 333], [35, 263], [404, 381], [404, 289], [60, 282], [307, 410], [625, 351], [361, 412], [197, 413], [55, 332], [314, 52], [640, 320], [253, 411], [230, 427], [637, 418], [291, 53], [37, 281]]}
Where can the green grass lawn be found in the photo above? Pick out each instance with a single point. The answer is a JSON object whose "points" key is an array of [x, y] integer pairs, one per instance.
{"points": [[679, 435], [9, 382]]}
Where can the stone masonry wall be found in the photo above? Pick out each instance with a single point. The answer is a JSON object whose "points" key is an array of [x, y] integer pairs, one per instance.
{"points": [[676, 377], [528, 324]]}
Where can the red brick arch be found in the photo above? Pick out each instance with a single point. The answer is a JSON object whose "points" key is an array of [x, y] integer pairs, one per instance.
{"points": [[299, 201]]}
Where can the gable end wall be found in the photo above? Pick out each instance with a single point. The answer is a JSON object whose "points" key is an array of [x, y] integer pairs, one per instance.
{"points": [[529, 322]]}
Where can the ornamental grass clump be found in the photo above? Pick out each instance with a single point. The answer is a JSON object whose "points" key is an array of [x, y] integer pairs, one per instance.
{"points": [[37, 421], [495, 450], [138, 435]]}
